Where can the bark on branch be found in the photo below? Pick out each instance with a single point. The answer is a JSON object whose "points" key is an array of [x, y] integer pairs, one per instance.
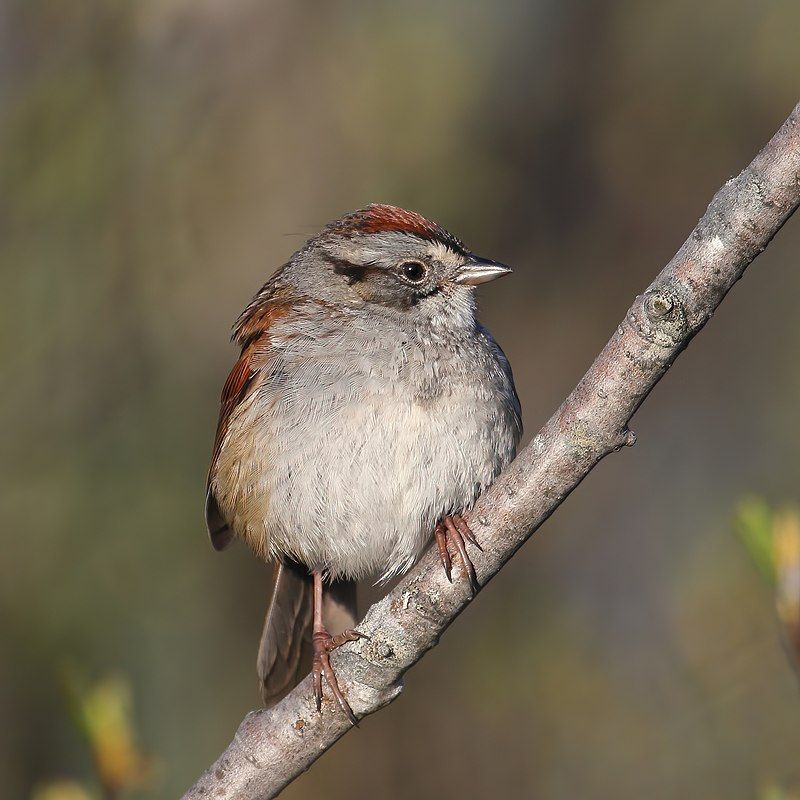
{"points": [[272, 747]]}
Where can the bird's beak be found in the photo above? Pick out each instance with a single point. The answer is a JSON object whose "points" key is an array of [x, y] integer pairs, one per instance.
{"points": [[481, 270]]}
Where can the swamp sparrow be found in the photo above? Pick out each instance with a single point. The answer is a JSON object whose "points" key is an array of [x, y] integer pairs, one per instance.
{"points": [[368, 410]]}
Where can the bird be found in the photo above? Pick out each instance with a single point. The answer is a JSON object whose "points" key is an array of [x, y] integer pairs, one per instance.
{"points": [[367, 411]]}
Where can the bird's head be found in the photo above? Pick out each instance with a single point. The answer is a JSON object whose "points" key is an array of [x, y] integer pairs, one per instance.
{"points": [[393, 260]]}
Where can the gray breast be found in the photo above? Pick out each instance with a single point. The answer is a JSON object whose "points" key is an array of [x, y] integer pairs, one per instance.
{"points": [[373, 434]]}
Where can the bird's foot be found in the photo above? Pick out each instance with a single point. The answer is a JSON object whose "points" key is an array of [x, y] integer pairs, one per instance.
{"points": [[324, 644], [453, 528]]}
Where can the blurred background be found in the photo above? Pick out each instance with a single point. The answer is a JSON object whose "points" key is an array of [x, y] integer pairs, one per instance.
{"points": [[159, 159]]}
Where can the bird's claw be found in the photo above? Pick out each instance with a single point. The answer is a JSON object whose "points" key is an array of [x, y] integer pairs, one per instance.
{"points": [[456, 530], [324, 644]]}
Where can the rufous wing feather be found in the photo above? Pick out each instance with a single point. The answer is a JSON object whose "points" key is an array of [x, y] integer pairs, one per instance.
{"points": [[252, 333], [235, 390]]}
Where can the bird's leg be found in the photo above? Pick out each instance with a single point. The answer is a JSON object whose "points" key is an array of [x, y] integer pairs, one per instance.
{"points": [[455, 529], [323, 644]]}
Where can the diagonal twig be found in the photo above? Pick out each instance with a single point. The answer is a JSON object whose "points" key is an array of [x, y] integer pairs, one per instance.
{"points": [[273, 746]]}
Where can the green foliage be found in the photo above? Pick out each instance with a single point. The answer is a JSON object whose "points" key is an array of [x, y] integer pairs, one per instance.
{"points": [[62, 790], [103, 713], [772, 538], [773, 792], [753, 521]]}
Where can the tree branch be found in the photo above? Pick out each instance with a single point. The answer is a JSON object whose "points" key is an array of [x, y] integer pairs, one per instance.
{"points": [[273, 746]]}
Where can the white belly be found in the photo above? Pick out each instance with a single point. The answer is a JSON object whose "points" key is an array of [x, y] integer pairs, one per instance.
{"points": [[356, 489], [360, 493], [359, 441]]}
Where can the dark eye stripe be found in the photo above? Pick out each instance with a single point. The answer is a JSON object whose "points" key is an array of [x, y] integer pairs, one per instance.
{"points": [[353, 272]]}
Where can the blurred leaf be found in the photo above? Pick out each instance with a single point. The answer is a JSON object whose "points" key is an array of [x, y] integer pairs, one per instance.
{"points": [[103, 712], [773, 540], [753, 520], [773, 792], [61, 790], [786, 556]]}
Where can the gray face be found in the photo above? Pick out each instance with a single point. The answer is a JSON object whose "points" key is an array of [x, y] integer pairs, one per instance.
{"points": [[394, 270], [428, 280]]}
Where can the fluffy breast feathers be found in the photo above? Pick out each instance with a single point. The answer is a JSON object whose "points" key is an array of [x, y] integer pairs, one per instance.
{"points": [[343, 437]]}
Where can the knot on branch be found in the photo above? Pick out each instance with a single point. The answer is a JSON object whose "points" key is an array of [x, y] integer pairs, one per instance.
{"points": [[659, 317]]}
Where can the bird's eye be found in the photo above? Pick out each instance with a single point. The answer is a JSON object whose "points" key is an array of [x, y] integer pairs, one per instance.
{"points": [[412, 271]]}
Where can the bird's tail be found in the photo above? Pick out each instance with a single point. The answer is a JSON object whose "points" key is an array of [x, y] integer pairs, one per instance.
{"points": [[285, 652]]}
